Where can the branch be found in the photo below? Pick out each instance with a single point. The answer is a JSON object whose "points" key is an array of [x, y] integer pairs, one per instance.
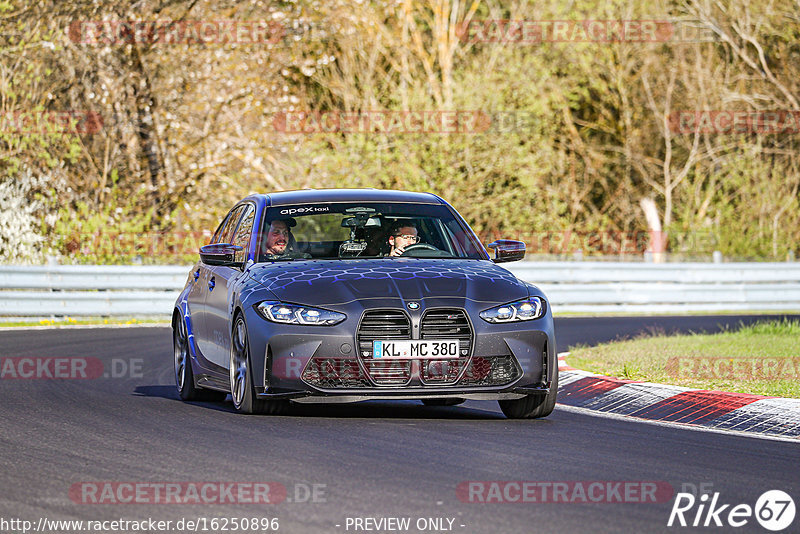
{"points": [[761, 67]]}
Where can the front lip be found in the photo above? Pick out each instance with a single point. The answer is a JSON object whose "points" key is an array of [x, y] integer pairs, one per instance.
{"points": [[486, 393]]}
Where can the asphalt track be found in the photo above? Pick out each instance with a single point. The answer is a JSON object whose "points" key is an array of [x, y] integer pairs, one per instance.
{"points": [[375, 459]]}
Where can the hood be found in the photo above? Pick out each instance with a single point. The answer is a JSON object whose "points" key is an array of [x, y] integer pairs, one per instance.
{"points": [[328, 282]]}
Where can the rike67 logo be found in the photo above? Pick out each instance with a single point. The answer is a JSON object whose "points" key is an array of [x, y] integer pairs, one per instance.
{"points": [[774, 510]]}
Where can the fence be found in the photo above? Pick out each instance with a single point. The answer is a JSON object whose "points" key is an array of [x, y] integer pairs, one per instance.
{"points": [[664, 287], [588, 287], [90, 290]]}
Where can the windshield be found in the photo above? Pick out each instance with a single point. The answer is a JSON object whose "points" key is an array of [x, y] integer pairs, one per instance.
{"points": [[364, 230]]}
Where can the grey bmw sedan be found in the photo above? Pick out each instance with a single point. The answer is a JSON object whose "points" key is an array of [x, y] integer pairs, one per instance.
{"points": [[349, 295]]}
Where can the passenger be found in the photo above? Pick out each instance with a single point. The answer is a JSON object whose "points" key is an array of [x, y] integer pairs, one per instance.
{"points": [[279, 243]]}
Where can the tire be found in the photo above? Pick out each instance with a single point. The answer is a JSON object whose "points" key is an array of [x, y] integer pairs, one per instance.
{"points": [[242, 390], [184, 375], [442, 402], [531, 406]]}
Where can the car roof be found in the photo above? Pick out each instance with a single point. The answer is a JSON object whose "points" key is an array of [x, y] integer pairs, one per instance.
{"points": [[302, 196]]}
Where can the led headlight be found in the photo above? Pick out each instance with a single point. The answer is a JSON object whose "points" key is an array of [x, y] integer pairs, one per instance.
{"points": [[281, 312], [521, 310]]}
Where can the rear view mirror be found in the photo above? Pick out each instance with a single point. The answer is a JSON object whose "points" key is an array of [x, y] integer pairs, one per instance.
{"points": [[220, 254], [360, 221], [507, 250]]}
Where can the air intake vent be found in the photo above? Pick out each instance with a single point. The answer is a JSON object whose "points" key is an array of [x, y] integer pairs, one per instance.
{"points": [[491, 371], [334, 373]]}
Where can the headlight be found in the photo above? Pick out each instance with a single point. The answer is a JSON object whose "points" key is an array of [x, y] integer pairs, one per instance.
{"points": [[522, 310], [281, 312]]}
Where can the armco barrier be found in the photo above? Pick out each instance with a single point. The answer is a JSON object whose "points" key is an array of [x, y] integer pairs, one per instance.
{"points": [[571, 287], [90, 290], [664, 287]]}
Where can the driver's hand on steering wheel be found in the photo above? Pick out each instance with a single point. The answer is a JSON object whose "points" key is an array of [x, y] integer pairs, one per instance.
{"points": [[405, 237]]}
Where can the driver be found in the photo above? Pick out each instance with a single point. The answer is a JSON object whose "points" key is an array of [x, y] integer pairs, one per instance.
{"points": [[401, 235], [277, 245]]}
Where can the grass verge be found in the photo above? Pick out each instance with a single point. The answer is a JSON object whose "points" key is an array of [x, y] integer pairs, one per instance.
{"points": [[763, 359]]}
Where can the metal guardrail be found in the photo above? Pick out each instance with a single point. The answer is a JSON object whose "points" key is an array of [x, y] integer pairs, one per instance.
{"points": [[664, 287], [90, 290], [571, 287]]}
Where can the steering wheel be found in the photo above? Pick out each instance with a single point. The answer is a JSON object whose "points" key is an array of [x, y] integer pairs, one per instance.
{"points": [[418, 246]]}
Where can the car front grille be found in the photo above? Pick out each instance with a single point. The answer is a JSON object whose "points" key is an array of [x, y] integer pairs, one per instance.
{"points": [[384, 325], [445, 324], [334, 373]]}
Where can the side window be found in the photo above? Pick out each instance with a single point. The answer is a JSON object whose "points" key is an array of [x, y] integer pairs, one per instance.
{"points": [[461, 239], [219, 230], [226, 234], [243, 233]]}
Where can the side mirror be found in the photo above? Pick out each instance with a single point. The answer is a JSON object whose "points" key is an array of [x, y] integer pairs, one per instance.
{"points": [[507, 250], [220, 254]]}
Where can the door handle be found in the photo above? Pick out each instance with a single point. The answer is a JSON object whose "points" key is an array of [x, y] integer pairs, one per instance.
{"points": [[211, 284]]}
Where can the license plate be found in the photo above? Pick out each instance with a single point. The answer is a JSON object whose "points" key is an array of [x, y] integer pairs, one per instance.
{"points": [[415, 348]]}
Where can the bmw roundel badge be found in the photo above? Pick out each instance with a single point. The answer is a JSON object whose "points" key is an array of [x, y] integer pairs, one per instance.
{"points": [[413, 305]]}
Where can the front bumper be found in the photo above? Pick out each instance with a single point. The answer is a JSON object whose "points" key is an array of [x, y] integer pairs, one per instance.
{"points": [[322, 364]]}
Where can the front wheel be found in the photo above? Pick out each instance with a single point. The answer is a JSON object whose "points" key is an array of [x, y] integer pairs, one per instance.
{"points": [[531, 406], [184, 376], [242, 390]]}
